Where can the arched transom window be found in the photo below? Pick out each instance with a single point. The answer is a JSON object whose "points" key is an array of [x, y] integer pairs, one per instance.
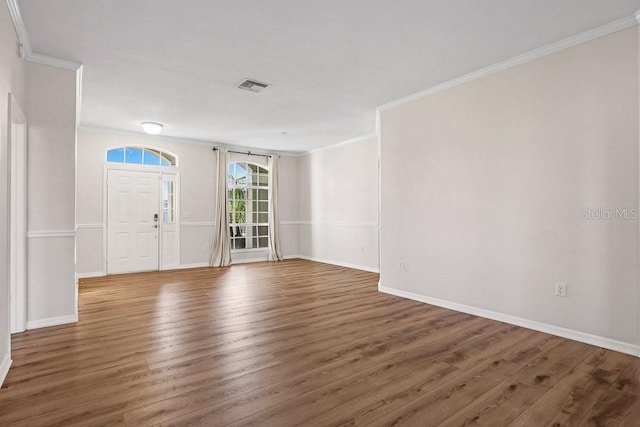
{"points": [[141, 156]]}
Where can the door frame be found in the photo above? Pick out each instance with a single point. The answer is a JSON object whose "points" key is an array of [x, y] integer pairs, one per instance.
{"points": [[17, 218], [160, 170]]}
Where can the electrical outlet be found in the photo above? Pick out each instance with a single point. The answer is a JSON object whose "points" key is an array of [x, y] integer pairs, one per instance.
{"points": [[401, 264], [561, 289]]}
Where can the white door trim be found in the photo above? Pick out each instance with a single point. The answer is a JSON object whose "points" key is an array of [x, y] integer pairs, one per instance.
{"points": [[17, 221], [141, 168]]}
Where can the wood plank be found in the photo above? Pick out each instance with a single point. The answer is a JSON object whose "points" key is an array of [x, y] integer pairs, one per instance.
{"points": [[629, 379], [613, 409], [567, 402], [299, 343]]}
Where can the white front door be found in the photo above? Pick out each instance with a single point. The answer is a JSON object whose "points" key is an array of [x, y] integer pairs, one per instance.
{"points": [[133, 219]]}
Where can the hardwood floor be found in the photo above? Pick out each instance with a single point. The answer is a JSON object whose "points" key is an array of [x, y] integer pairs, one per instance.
{"points": [[300, 343]]}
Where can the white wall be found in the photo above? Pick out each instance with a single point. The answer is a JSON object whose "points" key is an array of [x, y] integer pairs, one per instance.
{"points": [[51, 112], [483, 187], [288, 206], [338, 204], [12, 79], [196, 164]]}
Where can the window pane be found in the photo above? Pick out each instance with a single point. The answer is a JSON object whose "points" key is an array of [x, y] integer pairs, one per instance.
{"points": [[115, 155], [231, 172], [168, 201], [241, 173], [241, 243], [140, 156], [133, 155], [151, 157], [236, 174], [248, 244], [239, 194], [248, 204], [165, 215]]}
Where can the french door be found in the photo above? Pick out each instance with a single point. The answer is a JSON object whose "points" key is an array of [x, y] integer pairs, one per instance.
{"points": [[141, 221]]}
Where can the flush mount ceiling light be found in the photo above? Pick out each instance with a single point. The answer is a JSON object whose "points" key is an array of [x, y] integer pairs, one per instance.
{"points": [[152, 128]]}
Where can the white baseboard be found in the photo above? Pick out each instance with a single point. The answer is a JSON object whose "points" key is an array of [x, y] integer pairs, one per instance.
{"points": [[340, 263], [4, 367], [183, 266], [177, 267], [242, 261], [90, 275], [571, 334], [248, 260], [52, 321]]}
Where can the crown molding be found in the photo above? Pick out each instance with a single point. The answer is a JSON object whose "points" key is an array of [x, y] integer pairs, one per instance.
{"points": [[341, 143], [25, 43], [52, 61], [18, 25], [179, 140], [604, 30]]}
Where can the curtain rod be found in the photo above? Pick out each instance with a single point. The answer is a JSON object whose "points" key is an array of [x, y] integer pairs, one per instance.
{"points": [[249, 153]]}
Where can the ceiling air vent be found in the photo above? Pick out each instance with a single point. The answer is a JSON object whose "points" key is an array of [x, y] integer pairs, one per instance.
{"points": [[252, 85]]}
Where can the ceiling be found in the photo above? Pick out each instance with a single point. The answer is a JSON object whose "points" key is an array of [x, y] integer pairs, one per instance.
{"points": [[330, 62]]}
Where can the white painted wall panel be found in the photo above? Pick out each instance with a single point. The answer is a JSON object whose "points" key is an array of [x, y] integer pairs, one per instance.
{"points": [[483, 187], [51, 112], [338, 204], [12, 79], [51, 281], [89, 254]]}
